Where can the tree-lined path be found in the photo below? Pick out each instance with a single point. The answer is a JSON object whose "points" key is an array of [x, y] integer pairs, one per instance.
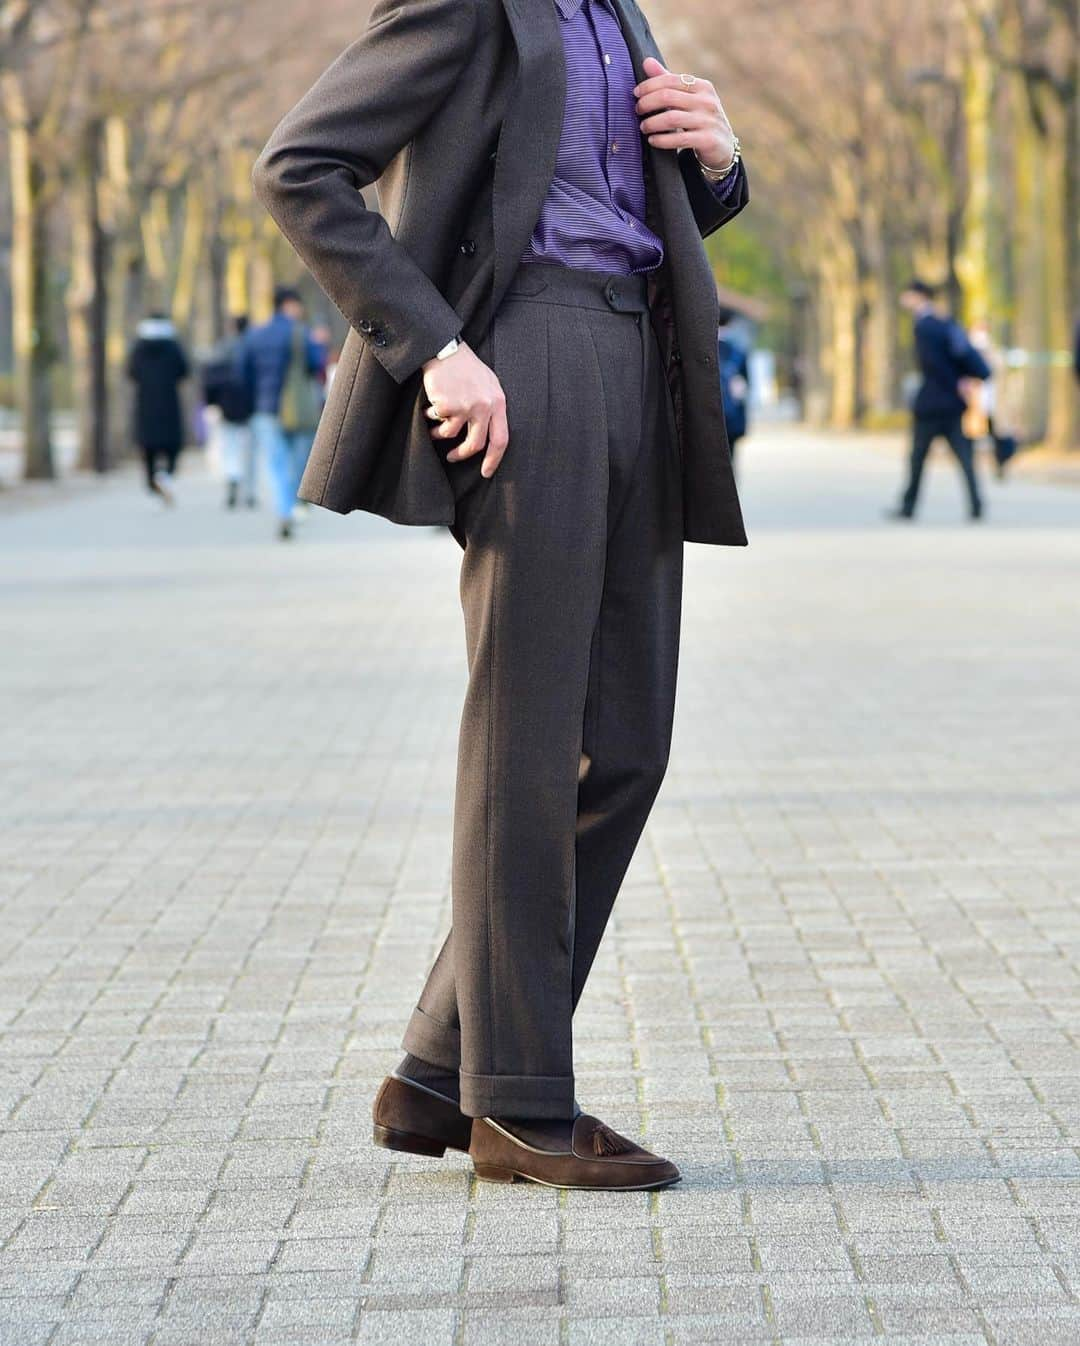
{"points": [[841, 987]]}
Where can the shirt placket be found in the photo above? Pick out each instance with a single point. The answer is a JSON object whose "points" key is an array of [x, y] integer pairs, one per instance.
{"points": [[601, 21]]}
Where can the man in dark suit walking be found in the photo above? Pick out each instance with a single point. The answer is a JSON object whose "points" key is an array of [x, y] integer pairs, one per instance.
{"points": [[947, 360], [532, 362]]}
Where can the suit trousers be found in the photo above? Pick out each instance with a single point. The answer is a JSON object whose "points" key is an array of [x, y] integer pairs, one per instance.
{"points": [[571, 585], [951, 429]]}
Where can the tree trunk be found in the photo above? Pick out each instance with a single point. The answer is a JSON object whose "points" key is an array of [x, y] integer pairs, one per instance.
{"points": [[194, 228], [974, 263], [1060, 227], [88, 309], [862, 338], [33, 348], [841, 285], [100, 248], [261, 281], [217, 263], [884, 383], [1029, 243]]}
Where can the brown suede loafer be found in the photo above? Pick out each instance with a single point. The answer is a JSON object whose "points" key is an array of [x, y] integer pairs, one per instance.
{"points": [[416, 1119], [598, 1159]]}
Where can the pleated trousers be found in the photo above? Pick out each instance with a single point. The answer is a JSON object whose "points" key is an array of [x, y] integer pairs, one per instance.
{"points": [[571, 586]]}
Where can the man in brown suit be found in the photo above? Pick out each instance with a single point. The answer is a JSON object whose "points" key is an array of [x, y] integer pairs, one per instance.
{"points": [[532, 362]]}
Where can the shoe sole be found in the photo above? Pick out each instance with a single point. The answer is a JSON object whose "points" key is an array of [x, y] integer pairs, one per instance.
{"points": [[490, 1173], [408, 1142]]}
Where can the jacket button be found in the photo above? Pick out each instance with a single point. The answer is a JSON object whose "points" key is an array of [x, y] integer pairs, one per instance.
{"points": [[380, 339], [468, 247], [366, 326], [676, 356]]}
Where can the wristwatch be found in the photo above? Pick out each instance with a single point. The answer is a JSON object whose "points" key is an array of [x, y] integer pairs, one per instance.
{"points": [[451, 348]]}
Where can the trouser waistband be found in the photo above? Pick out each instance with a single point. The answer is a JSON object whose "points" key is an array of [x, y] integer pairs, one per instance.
{"points": [[548, 284]]}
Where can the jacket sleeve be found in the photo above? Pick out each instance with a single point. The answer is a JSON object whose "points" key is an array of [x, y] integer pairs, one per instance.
{"points": [[337, 140], [710, 209]]}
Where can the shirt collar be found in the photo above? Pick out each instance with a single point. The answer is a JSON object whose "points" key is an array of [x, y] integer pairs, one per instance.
{"points": [[568, 8]]}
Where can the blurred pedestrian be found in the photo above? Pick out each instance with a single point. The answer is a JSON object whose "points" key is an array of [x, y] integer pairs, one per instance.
{"points": [[948, 361], [225, 388], [988, 414], [733, 362], [157, 365], [282, 364]]}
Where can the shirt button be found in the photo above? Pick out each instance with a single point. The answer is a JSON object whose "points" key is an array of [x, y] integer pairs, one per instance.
{"points": [[607, 59], [614, 147]]}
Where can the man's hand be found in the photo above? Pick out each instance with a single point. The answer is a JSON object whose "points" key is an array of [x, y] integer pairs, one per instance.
{"points": [[677, 115], [463, 391]]}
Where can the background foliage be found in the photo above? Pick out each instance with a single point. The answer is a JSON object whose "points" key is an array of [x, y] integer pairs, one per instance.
{"points": [[883, 137]]}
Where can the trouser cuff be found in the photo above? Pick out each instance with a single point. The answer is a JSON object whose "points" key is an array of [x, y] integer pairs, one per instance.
{"points": [[436, 1043], [548, 1096]]}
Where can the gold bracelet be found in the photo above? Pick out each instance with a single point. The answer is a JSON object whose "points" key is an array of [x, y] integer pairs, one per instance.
{"points": [[721, 174]]}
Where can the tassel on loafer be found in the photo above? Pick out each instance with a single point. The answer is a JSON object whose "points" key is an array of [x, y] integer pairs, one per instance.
{"points": [[598, 1160], [416, 1120]]}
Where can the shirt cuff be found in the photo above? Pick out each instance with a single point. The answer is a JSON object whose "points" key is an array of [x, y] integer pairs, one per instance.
{"points": [[722, 190]]}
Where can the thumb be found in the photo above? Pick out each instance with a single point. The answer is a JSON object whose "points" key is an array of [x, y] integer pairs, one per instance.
{"points": [[653, 67]]}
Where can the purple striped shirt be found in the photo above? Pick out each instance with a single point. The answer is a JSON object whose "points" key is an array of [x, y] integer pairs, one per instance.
{"points": [[594, 216]]}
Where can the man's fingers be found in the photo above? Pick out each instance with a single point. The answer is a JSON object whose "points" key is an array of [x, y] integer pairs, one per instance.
{"points": [[676, 140], [449, 428], [659, 78], [491, 462], [474, 440], [662, 99], [662, 84], [498, 439], [654, 68], [674, 121]]}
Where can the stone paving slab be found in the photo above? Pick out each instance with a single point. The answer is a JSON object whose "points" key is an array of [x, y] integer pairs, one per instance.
{"points": [[840, 988]]}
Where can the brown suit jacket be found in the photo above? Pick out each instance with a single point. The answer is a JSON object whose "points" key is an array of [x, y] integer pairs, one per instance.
{"points": [[454, 109]]}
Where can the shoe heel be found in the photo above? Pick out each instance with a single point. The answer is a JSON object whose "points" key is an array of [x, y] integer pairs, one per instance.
{"points": [[389, 1139], [492, 1173]]}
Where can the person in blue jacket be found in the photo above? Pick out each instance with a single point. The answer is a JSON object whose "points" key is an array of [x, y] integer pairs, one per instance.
{"points": [[282, 365], [947, 359]]}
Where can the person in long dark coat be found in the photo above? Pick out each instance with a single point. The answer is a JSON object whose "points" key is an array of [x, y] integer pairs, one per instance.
{"points": [[157, 366]]}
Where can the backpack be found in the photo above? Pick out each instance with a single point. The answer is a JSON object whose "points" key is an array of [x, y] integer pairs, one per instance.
{"points": [[301, 397], [225, 388]]}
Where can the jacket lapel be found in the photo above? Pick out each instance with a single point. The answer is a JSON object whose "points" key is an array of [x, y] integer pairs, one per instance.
{"points": [[529, 141], [637, 32]]}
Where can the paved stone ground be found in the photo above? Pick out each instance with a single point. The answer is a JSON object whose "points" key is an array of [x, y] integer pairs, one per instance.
{"points": [[841, 988]]}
